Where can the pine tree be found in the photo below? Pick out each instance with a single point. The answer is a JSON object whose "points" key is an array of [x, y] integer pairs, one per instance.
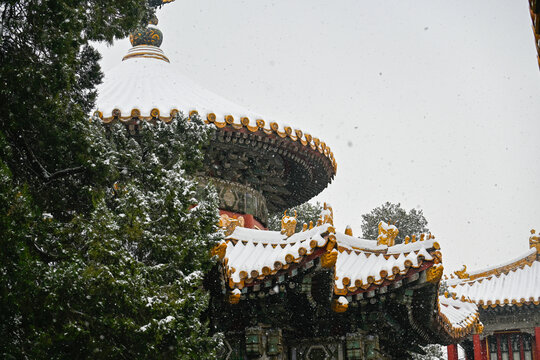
{"points": [[104, 237], [305, 213], [409, 223], [432, 352]]}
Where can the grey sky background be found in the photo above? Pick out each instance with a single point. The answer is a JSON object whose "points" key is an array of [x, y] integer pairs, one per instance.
{"points": [[432, 104]]}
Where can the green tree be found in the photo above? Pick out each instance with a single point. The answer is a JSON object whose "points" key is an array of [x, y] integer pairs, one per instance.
{"points": [[409, 223], [433, 352], [305, 213], [104, 237]]}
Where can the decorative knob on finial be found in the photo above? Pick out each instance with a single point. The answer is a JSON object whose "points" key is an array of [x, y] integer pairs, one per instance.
{"points": [[149, 35]]}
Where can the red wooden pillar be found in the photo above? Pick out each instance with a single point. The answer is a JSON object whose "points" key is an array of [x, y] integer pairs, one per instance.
{"points": [[452, 352], [485, 349], [477, 347], [510, 350], [537, 342], [521, 347]]}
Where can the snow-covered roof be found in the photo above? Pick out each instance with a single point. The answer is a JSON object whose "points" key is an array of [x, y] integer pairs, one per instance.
{"points": [[254, 254], [458, 316], [515, 282], [357, 269], [266, 261], [145, 85], [251, 255]]}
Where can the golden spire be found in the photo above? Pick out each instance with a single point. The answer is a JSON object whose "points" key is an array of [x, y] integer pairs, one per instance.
{"points": [[146, 42]]}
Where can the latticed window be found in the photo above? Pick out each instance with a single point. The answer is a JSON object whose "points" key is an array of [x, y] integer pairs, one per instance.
{"points": [[515, 346]]}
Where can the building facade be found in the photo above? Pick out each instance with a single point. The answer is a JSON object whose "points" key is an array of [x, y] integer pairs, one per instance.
{"points": [[508, 298]]}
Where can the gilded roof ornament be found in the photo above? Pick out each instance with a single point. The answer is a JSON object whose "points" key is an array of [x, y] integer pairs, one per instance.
{"points": [[534, 241], [327, 215], [147, 34], [434, 274], [229, 224], [387, 234], [288, 224], [462, 274]]}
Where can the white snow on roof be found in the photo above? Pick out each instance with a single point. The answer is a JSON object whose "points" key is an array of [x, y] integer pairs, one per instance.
{"points": [[265, 252], [360, 269], [518, 286], [361, 261], [371, 245], [148, 83], [275, 237], [459, 314]]}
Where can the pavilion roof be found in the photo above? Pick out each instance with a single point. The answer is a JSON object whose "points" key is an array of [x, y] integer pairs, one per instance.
{"points": [[258, 261], [513, 283], [146, 86]]}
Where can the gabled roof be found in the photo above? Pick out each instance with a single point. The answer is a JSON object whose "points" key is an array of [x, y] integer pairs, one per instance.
{"points": [[362, 264], [268, 261], [516, 282]]}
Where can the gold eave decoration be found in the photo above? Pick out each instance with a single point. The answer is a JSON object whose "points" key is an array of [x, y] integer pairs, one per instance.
{"points": [[260, 125], [526, 261], [508, 302]]}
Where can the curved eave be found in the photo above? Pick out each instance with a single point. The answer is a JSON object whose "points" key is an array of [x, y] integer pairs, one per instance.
{"points": [[259, 126], [454, 330]]}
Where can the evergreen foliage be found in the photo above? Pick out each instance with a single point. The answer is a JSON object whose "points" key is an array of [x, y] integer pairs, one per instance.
{"points": [[305, 213], [104, 237], [409, 223], [433, 352]]}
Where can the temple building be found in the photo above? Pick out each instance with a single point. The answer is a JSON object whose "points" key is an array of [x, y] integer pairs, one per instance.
{"points": [[508, 298], [307, 291]]}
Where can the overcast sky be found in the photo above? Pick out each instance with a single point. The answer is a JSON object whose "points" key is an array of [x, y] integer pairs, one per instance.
{"points": [[432, 104]]}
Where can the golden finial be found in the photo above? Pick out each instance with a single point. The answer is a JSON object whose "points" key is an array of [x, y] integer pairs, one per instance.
{"points": [[534, 241], [462, 274], [229, 224], [387, 234], [288, 224], [348, 231], [310, 224], [434, 274], [407, 239], [304, 227], [327, 215]]}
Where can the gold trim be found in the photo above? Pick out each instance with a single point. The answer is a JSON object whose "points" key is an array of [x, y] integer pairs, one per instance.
{"points": [[296, 135], [146, 55]]}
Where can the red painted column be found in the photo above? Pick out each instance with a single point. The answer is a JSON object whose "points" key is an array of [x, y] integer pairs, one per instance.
{"points": [[477, 347], [537, 342], [452, 352], [499, 352], [521, 348], [485, 349], [510, 350]]}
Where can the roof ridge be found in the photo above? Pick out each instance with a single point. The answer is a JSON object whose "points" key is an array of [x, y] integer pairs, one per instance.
{"points": [[527, 258]]}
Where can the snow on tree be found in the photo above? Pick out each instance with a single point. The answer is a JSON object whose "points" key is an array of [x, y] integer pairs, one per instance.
{"points": [[433, 352], [105, 237], [409, 223]]}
